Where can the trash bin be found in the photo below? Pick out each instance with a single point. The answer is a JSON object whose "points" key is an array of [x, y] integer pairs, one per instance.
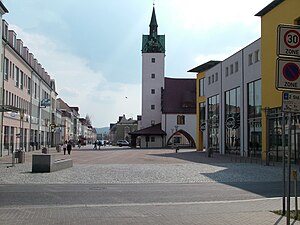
{"points": [[21, 156], [58, 148], [16, 155], [45, 150]]}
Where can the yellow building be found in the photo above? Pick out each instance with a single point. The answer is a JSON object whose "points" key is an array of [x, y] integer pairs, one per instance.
{"points": [[238, 106], [277, 12], [200, 101]]}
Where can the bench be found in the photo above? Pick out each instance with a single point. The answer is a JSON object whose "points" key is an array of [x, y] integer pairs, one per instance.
{"points": [[46, 163]]}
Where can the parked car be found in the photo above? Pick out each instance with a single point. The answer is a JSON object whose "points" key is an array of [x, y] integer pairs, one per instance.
{"points": [[122, 143]]}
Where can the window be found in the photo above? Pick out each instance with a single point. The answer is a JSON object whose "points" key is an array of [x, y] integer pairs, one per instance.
{"points": [[213, 78], [29, 86], [297, 21], [153, 76], [201, 87], [6, 98], [231, 69], [254, 117], [232, 119], [208, 80], [213, 113], [250, 60], [152, 107], [6, 68], [226, 72], [216, 77], [21, 79], [13, 71], [152, 91], [152, 139], [202, 114], [153, 60], [10, 70], [236, 67], [17, 76], [256, 56], [35, 90], [180, 119]]}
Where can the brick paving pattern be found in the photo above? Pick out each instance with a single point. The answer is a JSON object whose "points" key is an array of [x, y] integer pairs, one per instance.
{"points": [[143, 166]]}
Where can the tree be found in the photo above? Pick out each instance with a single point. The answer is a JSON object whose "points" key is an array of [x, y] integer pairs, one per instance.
{"points": [[88, 120]]}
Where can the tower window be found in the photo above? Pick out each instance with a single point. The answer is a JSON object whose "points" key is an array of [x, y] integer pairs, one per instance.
{"points": [[153, 76], [180, 119], [152, 91], [152, 107], [153, 60]]}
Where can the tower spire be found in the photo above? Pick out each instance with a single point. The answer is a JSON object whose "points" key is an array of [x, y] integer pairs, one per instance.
{"points": [[153, 23]]}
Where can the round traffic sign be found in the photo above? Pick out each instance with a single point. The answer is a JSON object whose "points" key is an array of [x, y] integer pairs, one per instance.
{"points": [[291, 71], [292, 38]]}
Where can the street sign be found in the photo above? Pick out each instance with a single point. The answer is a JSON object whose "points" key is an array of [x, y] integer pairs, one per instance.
{"points": [[203, 126], [288, 43], [290, 102], [288, 73]]}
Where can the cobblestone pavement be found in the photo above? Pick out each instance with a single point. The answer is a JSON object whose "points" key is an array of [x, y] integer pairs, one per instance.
{"points": [[143, 166], [139, 166]]}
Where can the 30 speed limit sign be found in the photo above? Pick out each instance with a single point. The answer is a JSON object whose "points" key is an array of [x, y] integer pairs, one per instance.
{"points": [[288, 40]]}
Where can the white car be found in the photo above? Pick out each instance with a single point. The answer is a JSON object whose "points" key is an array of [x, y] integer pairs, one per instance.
{"points": [[122, 143]]}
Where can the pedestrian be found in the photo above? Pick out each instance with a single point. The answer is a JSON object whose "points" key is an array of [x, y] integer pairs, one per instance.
{"points": [[79, 143], [99, 144], [69, 147], [95, 145], [65, 147]]}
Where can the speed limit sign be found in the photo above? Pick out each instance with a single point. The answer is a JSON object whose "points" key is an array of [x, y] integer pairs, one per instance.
{"points": [[288, 43]]}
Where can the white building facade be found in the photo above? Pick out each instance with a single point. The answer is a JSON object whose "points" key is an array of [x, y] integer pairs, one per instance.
{"points": [[233, 96]]}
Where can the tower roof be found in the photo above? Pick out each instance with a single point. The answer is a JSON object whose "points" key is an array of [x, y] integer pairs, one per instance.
{"points": [[153, 21], [153, 43]]}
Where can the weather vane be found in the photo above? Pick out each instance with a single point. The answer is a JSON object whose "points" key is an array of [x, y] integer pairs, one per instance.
{"points": [[153, 3]]}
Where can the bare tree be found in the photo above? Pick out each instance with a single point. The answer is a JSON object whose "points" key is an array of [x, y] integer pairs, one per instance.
{"points": [[88, 120]]}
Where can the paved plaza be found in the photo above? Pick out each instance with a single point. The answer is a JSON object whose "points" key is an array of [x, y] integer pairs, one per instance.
{"points": [[137, 166]]}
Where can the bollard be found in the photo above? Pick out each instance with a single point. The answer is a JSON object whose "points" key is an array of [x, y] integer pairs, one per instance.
{"points": [[296, 198]]}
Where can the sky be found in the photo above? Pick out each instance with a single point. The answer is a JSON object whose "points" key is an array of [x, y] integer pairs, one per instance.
{"points": [[92, 48]]}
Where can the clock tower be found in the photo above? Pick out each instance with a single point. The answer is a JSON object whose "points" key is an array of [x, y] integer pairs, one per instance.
{"points": [[153, 74]]}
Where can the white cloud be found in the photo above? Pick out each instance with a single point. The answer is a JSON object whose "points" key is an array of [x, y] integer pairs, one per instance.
{"points": [[195, 14], [78, 85]]}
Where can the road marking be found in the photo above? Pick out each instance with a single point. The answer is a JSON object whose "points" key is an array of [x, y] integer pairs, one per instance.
{"points": [[138, 204]]}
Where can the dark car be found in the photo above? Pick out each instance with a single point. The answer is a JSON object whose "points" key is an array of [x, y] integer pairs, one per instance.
{"points": [[122, 143]]}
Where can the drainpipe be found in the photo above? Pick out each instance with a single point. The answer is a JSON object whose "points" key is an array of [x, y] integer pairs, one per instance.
{"points": [[2, 119]]}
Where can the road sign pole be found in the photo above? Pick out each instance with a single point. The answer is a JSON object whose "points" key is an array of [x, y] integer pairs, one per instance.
{"points": [[283, 163], [289, 171]]}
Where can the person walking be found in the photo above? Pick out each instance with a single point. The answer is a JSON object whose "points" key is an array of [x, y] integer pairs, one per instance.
{"points": [[69, 147], [65, 147], [95, 145]]}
